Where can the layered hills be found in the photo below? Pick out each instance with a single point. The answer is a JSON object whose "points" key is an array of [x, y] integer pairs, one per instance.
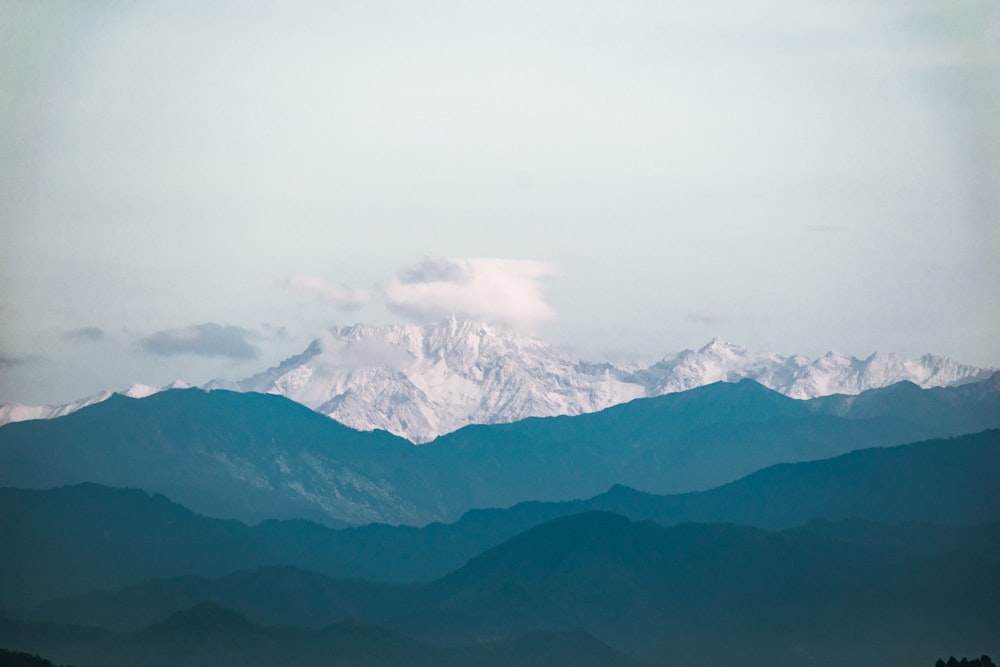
{"points": [[254, 456], [726, 524], [885, 555], [70, 540], [691, 594]]}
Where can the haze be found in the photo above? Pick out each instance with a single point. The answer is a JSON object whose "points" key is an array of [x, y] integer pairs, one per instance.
{"points": [[195, 191]]}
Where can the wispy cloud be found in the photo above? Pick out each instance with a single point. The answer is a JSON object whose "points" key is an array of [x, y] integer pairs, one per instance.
{"points": [[707, 317], [506, 290], [86, 334], [206, 340], [339, 296]]}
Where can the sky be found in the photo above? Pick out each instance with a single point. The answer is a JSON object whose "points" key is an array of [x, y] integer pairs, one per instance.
{"points": [[195, 190]]}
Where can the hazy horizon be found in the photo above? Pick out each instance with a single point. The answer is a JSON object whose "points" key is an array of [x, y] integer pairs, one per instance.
{"points": [[624, 180]]}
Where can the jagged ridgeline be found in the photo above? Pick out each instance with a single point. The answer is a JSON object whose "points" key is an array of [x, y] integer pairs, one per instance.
{"points": [[423, 381], [420, 382]]}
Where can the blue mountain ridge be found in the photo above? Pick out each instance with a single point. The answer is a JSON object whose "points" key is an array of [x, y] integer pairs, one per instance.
{"points": [[254, 457]]}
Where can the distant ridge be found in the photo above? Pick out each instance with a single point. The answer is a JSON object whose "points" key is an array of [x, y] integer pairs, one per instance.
{"points": [[422, 381], [256, 456]]}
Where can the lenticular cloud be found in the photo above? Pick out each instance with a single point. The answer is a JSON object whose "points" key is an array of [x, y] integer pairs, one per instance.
{"points": [[488, 289]]}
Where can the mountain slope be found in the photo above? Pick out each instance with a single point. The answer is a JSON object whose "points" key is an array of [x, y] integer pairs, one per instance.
{"points": [[697, 439], [66, 541], [246, 456], [945, 481]]}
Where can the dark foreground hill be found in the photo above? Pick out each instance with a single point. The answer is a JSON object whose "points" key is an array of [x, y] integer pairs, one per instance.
{"points": [[21, 659], [255, 457], [70, 540], [586, 589]]}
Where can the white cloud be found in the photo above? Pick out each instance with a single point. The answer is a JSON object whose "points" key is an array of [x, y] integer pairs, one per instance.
{"points": [[340, 296], [490, 289]]}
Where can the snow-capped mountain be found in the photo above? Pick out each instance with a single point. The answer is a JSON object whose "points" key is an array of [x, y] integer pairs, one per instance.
{"points": [[17, 412], [421, 381], [798, 376]]}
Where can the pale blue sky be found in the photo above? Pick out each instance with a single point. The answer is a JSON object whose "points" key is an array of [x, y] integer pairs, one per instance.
{"points": [[193, 190]]}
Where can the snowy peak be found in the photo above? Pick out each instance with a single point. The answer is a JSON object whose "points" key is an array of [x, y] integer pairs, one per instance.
{"points": [[421, 381], [17, 412], [836, 373], [718, 361], [722, 349], [144, 390]]}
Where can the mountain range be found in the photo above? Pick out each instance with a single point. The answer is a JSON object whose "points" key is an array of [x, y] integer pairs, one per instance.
{"points": [[827, 562], [254, 456], [752, 518], [70, 540], [422, 381], [849, 592]]}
